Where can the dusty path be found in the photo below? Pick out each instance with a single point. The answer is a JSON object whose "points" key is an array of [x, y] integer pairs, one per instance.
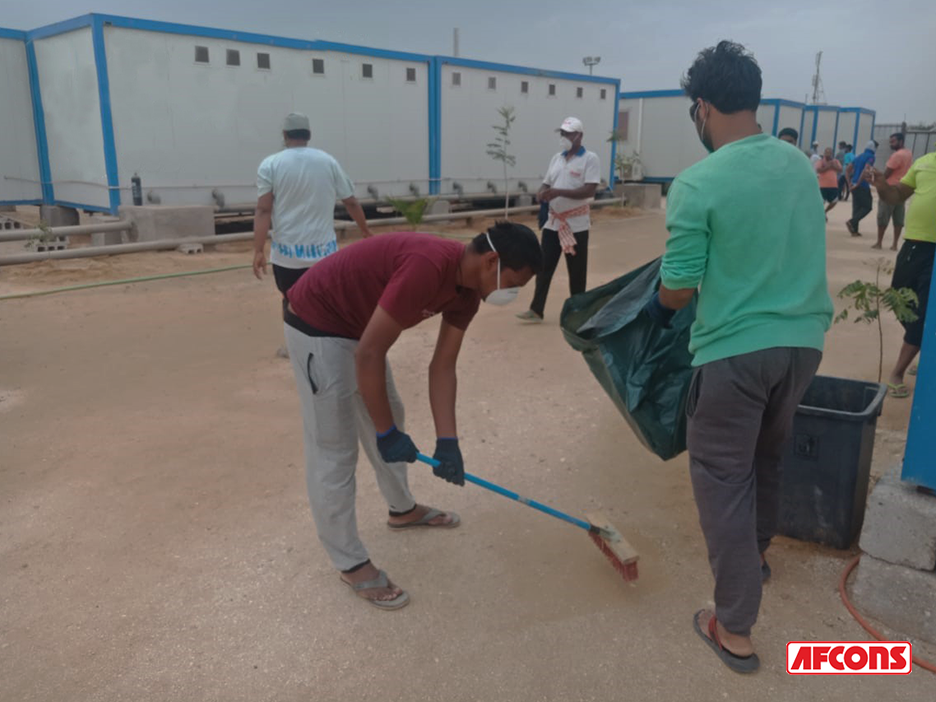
{"points": [[156, 544]]}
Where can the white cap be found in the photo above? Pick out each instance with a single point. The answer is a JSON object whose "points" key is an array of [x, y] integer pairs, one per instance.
{"points": [[296, 120], [815, 143], [572, 124]]}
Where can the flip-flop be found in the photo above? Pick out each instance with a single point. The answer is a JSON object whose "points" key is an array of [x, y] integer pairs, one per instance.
{"points": [[424, 520], [739, 664], [381, 580], [898, 390]]}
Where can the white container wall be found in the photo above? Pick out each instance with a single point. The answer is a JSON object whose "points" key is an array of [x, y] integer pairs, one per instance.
{"points": [[470, 100], [657, 126], [825, 127], [865, 129], [660, 132], [188, 128], [789, 117], [846, 128], [71, 103], [19, 162]]}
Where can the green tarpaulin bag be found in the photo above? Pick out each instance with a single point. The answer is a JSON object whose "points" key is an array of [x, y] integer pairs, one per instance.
{"points": [[644, 368]]}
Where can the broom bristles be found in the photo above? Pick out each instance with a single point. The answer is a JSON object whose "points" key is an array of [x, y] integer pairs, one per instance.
{"points": [[627, 570]]}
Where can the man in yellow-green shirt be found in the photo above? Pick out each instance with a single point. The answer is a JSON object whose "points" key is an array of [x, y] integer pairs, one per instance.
{"points": [[914, 267]]}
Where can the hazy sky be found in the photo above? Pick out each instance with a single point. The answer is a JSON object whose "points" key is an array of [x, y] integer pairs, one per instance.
{"points": [[876, 54]]}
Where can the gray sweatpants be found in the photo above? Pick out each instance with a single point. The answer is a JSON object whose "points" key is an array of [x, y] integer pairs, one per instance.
{"points": [[334, 420], [740, 413]]}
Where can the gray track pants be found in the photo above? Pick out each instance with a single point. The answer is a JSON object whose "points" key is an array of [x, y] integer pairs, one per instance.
{"points": [[740, 416], [334, 419]]}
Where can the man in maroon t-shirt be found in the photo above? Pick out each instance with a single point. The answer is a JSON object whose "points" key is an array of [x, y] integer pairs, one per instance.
{"points": [[344, 314]]}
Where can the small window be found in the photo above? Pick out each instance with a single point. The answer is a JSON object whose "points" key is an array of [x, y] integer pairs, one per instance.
{"points": [[410, 75], [524, 86], [492, 83], [604, 93], [201, 54], [233, 57], [579, 92], [367, 70], [263, 61], [456, 79], [552, 90], [318, 66]]}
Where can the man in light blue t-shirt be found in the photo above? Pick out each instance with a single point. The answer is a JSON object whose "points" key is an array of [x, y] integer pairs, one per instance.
{"points": [[297, 190]]}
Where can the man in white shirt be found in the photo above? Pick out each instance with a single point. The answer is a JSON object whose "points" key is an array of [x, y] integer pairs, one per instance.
{"points": [[814, 154], [571, 181], [298, 188]]}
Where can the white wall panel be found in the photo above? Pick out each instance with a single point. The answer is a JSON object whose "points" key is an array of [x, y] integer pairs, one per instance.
{"points": [[668, 140], [789, 117], [765, 117], [469, 110], [809, 117], [18, 157], [825, 129], [71, 103], [846, 129], [180, 124]]}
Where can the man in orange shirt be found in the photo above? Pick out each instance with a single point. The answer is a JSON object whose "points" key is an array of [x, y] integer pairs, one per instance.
{"points": [[897, 166], [828, 170]]}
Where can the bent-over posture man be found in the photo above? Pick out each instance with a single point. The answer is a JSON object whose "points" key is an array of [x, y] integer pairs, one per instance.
{"points": [[343, 316], [747, 229]]}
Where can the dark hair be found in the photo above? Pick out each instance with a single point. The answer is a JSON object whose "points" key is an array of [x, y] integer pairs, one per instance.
{"points": [[727, 76], [898, 136], [789, 131], [842, 143], [298, 134], [516, 245], [850, 147]]}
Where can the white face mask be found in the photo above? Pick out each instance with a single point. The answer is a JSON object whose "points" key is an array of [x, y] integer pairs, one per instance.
{"points": [[501, 296], [564, 143]]}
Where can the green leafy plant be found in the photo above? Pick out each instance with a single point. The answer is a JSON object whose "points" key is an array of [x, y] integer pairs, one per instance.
{"points": [[623, 164], [499, 149], [39, 239], [412, 211], [867, 300]]}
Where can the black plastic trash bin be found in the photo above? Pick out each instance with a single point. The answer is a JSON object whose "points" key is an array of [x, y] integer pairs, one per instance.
{"points": [[824, 481]]}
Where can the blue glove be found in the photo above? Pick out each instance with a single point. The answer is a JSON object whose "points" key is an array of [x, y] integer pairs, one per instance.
{"points": [[658, 313], [543, 216], [451, 466], [396, 447]]}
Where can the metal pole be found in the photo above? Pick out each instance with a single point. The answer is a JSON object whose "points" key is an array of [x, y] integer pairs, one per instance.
{"points": [[53, 232]]}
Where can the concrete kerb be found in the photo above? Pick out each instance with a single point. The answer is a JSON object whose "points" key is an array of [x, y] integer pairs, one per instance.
{"points": [[900, 524], [158, 222], [895, 581]]}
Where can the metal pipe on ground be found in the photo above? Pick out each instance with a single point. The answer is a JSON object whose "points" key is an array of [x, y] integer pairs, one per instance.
{"points": [[165, 244], [53, 232]]}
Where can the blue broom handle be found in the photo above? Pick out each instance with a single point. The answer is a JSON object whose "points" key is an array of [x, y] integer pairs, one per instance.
{"points": [[546, 509]]}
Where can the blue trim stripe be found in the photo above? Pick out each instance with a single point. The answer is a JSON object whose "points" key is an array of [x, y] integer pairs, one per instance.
{"points": [[107, 121], [69, 25], [524, 70], [42, 142], [5, 203], [653, 94], [835, 133], [658, 180], [776, 119], [815, 123], [802, 121], [12, 34], [435, 126], [614, 128]]}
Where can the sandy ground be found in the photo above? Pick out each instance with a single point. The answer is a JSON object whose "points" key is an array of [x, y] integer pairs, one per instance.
{"points": [[156, 543]]}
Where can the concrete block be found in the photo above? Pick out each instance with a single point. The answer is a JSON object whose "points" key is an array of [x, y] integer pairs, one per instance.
{"points": [[156, 222], [644, 195], [440, 207], [900, 524], [107, 238], [191, 248], [524, 201], [903, 598], [58, 216]]}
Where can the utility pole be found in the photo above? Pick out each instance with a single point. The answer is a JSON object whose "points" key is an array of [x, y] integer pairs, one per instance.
{"points": [[591, 62], [818, 95], [455, 42]]}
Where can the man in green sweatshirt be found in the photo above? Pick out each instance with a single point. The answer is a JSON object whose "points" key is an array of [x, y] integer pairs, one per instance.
{"points": [[747, 230]]}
